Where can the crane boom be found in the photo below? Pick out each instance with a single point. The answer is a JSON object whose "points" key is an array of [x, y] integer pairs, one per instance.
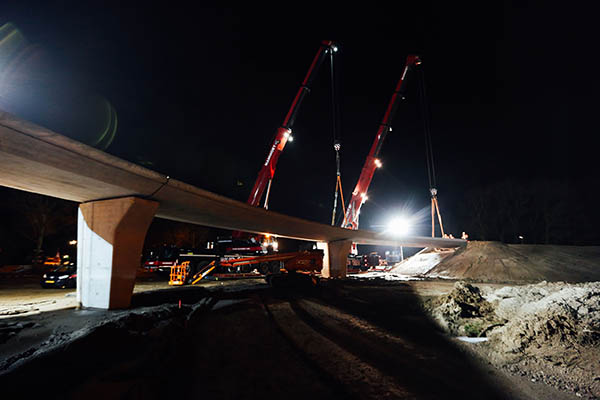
{"points": [[359, 195], [283, 134]]}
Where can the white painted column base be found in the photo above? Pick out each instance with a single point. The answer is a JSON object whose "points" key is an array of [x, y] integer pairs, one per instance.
{"points": [[110, 237], [94, 266]]}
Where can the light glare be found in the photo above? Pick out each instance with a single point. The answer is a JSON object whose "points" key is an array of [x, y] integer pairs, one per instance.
{"points": [[399, 226]]}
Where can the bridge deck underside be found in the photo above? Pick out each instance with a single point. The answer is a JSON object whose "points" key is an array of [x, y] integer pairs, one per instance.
{"points": [[38, 160]]}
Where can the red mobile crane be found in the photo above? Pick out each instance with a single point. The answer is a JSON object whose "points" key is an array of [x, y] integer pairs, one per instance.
{"points": [[307, 261], [282, 136], [359, 195], [284, 132]]}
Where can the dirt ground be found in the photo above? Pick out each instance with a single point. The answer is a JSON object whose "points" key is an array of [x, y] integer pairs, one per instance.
{"points": [[24, 295], [549, 332], [494, 335], [541, 314], [345, 339]]}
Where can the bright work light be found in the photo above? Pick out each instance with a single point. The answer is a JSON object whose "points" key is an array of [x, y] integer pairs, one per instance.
{"points": [[399, 226]]}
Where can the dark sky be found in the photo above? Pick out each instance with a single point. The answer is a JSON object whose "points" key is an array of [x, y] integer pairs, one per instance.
{"points": [[199, 92]]}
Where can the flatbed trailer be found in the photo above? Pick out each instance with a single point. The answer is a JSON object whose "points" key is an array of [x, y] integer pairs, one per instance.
{"points": [[265, 266]]}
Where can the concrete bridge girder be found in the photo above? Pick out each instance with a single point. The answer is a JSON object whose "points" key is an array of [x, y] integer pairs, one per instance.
{"points": [[35, 159]]}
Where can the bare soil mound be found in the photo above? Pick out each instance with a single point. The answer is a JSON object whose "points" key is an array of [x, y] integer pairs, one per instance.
{"points": [[513, 263], [464, 311], [548, 332], [552, 332]]}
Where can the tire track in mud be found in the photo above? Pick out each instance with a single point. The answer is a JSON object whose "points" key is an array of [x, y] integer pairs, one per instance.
{"points": [[349, 373], [336, 386], [405, 357], [408, 365]]}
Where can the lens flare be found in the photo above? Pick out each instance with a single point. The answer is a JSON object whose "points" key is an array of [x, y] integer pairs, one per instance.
{"points": [[34, 86]]}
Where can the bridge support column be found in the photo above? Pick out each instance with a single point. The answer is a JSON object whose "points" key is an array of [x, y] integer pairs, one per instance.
{"points": [[110, 237], [335, 258]]}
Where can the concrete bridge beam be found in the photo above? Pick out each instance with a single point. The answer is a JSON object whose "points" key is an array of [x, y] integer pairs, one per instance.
{"points": [[335, 258], [110, 237]]}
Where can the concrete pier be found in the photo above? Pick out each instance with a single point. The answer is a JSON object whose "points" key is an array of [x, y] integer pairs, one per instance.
{"points": [[335, 258], [110, 237]]}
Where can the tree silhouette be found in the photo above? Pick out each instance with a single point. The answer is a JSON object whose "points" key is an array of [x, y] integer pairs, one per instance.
{"points": [[540, 211], [36, 217]]}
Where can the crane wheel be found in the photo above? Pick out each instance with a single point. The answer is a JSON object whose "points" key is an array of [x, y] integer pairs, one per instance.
{"points": [[274, 267], [263, 268]]}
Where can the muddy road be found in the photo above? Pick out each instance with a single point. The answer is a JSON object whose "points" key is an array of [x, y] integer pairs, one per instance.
{"points": [[351, 339]]}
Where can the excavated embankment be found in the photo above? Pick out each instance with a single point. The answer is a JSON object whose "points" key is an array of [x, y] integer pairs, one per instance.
{"points": [[548, 332], [515, 263]]}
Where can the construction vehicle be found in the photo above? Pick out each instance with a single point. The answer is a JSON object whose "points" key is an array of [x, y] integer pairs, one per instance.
{"points": [[359, 194], [182, 274], [283, 135], [161, 258], [284, 132], [354, 264], [262, 185], [265, 266], [392, 257], [371, 260]]}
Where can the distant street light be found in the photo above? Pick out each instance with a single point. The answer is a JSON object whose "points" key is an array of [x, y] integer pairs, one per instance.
{"points": [[73, 242], [521, 238]]}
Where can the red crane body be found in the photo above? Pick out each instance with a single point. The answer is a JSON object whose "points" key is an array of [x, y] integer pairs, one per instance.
{"points": [[267, 171], [359, 195]]}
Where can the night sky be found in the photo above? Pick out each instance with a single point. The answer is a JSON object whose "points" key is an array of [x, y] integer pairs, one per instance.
{"points": [[199, 93]]}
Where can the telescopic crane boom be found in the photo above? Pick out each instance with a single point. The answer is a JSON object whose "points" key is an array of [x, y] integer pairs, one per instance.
{"points": [[284, 132], [359, 195]]}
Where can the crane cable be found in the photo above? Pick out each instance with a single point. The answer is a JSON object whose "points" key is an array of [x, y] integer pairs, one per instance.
{"points": [[337, 143], [429, 156], [426, 130]]}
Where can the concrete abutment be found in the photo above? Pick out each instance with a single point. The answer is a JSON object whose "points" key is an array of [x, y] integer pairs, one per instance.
{"points": [[110, 237]]}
